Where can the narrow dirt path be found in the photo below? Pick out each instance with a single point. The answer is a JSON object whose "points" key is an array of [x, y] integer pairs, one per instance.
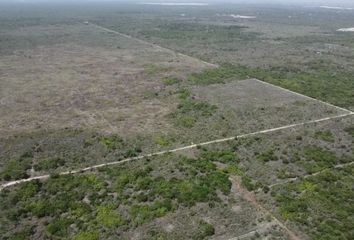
{"points": [[310, 175], [250, 197]]}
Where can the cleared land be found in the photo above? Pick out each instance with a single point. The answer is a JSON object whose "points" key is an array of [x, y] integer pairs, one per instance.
{"points": [[97, 98], [74, 95]]}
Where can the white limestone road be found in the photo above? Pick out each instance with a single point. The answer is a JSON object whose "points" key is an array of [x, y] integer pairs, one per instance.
{"points": [[12, 183], [152, 44]]}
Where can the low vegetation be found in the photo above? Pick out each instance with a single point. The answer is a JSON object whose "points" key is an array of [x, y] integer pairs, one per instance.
{"points": [[309, 81], [96, 205], [325, 136], [309, 203], [189, 111]]}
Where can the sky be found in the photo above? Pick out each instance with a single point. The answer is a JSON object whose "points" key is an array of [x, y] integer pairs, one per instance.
{"points": [[297, 2]]}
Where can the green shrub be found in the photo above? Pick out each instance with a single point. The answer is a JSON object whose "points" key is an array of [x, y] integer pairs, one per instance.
{"points": [[204, 230], [162, 140], [219, 75], [112, 142], [220, 156], [325, 136], [15, 169], [232, 169], [22, 234], [317, 158], [249, 184], [49, 164], [41, 208], [59, 227], [201, 108], [86, 236], [170, 80], [143, 213], [184, 93], [107, 217], [321, 204], [190, 111], [267, 156]]}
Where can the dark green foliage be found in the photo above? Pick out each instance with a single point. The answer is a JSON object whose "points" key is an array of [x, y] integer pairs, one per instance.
{"points": [[267, 156], [114, 199], [59, 227], [15, 169], [325, 136], [133, 152], [204, 230], [49, 164], [250, 184], [220, 156], [22, 234], [317, 158]]}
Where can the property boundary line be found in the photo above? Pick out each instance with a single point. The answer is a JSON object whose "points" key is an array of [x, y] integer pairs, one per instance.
{"points": [[16, 182], [152, 44], [302, 95], [214, 65]]}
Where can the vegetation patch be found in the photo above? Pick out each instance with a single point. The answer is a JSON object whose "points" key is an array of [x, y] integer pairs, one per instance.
{"points": [[309, 203], [267, 156], [189, 111], [170, 80], [317, 159], [204, 230], [111, 200], [325, 136], [338, 89]]}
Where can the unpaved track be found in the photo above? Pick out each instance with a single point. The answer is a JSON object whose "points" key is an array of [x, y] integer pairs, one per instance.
{"points": [[176, 150], [152, 44], [250, 197], [310, 175]]}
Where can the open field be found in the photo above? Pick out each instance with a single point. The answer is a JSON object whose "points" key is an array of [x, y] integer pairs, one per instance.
{"points": [[197, 147], [93, 96]]}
